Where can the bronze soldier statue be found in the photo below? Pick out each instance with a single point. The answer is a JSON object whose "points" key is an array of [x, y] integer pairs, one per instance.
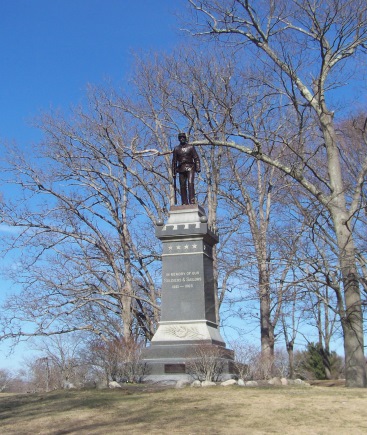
{"points": [[185, 162]]}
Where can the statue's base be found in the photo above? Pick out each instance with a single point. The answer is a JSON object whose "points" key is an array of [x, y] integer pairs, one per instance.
{"points": [[188, 332], [187, 361]]}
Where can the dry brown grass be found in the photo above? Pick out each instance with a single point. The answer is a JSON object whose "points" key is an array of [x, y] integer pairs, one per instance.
{"points": [[216, 410]]}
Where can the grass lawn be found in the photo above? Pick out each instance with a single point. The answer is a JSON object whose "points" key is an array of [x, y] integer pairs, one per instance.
{"points": [[213, 410]]}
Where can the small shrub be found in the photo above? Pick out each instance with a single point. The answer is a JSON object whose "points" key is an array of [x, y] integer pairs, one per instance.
{"points": [[206, 363]]}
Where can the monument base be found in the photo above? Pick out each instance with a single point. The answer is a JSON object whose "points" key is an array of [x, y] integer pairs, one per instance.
{"points": [[187, 361], [187, 340]]}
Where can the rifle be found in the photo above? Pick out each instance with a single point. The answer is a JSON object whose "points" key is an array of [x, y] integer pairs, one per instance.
{"points": [[175, 188]]}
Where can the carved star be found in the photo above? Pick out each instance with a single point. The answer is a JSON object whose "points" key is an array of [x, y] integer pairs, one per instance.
{"points": [[170, 248], [186, 246], [178, 247], [194, 246]]}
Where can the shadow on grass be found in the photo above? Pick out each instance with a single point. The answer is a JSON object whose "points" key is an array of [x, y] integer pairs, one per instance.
{"points": [[154, 413], [58, 401], [67, 412]]}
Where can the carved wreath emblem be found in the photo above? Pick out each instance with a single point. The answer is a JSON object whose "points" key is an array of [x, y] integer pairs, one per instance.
{"points": [[184, 332]]}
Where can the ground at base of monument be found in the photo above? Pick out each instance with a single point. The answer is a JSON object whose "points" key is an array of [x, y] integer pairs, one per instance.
{"points": [[161, 410]]}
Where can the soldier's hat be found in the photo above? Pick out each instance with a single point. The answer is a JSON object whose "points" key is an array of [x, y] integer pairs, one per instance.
{"points": [[181, 135]]}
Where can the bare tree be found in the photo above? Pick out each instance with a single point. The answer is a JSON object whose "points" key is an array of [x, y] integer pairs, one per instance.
{"points": [[206, 363], [255, 191], [86, 204], [305, 46], [291, 319], [6, 378], [119, 359], [60, 364]]}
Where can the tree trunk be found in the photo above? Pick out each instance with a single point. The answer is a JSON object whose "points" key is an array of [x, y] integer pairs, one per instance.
{"points": [[352, 321], [352, 317], [126, 315], [267, 329], [290, 359]]}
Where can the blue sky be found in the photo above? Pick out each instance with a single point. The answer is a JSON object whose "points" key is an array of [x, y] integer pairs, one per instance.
{"points": [[51, 49]]}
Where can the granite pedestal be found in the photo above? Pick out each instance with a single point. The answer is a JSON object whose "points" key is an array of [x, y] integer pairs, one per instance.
{"points": [[188, 315]]}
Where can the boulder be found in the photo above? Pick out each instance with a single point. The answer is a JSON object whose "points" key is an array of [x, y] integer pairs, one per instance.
{"points": [[196, 384], [274, 381], [208, 384], [300, 382], [229, 382], [241, 383], [114, 384], [284, 381]]}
